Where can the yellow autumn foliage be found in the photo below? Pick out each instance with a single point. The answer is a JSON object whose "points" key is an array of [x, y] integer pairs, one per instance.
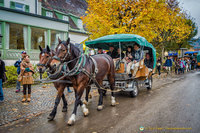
{"points": [[152, 19]]}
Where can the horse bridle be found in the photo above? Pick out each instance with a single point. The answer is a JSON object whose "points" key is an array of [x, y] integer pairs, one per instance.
{"points": [[46, 64], [66, 55]]}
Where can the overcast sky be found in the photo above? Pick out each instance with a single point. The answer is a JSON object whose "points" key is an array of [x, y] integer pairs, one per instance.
{"points": [[193, 8]]}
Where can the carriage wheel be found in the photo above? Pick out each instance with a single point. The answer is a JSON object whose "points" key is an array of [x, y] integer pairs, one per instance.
{"points": [[150, 83], [134, 93]]}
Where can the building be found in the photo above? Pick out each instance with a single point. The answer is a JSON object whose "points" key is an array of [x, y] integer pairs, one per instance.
{"points": [[26, 24], [74, 10]]}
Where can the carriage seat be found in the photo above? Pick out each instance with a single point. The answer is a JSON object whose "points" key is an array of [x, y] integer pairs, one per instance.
{"points": [[121, 67], [143, 71]]}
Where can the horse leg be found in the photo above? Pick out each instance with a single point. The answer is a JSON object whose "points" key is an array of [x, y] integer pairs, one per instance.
{"points": [[112, 87], [57, 101], [64, 103], [78, 93], [100, 104], [87, 95]]}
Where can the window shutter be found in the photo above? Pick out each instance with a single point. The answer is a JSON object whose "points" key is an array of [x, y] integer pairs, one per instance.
{"points": [[1, 2], [27, 8], [12, 5]]}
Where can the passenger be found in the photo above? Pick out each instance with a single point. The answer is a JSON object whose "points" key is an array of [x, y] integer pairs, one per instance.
{"points": [[148, 62], [100, 51], [117, 59], [112, 52], [137, 56], [118, 54], [129, 59]]}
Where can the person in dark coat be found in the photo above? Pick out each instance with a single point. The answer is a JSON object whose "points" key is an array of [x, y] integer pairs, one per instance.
{"points": [[17, 64], [148, 61], [2, 77], [168, 64], [159, 63], [100, 51], [112, 52]]}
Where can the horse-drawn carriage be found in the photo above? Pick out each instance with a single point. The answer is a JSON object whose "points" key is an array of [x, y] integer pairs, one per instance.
{"points": [[69, 65], [122, 79]]}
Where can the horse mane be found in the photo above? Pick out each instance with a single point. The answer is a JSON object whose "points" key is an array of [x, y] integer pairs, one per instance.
{"points": [[75, 50]]}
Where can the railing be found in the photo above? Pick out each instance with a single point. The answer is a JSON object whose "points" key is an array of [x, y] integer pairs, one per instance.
{"points": [[13, 54]]}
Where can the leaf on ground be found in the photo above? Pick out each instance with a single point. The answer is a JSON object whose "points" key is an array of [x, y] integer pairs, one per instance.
{"points": [[14, 109], [117, 103], [25, 103]]}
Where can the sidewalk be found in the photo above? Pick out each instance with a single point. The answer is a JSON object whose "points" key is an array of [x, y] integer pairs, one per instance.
{"points": [[43, 98]]}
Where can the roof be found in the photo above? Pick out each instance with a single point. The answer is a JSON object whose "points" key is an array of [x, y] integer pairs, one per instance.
{"points": [[31, 14], [75, 7], [72, 24], [191, 52]]}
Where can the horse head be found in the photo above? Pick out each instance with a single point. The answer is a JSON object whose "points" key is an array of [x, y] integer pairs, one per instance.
{"points": [[62, 53], [45, 58]]}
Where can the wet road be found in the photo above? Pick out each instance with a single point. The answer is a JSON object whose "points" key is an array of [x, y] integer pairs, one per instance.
{"points": [[171, 107]]}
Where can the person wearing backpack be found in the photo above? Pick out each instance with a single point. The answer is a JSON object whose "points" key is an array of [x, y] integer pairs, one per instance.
{"points": [[17, 64], [2, 78]]}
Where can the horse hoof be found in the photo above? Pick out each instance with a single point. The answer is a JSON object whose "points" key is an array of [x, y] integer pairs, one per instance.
{"points": [[70, 122], [64, 110], [100, 107], [113, 104], [86, 112], [85, 102], [50, 117]]}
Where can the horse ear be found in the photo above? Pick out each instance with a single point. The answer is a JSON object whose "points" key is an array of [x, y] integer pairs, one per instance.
{"points": [[68, 40], [48, 49], [40, 48], [59, 40]]}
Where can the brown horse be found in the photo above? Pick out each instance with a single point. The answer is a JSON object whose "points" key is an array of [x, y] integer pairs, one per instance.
{"points": [[44, 64], [68, 53]]}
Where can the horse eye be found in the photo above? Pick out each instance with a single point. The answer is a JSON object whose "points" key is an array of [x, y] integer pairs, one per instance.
{"points": [[63, 50], [47, 56]]}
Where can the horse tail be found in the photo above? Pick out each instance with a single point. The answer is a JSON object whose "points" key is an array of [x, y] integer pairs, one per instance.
{"points": [[111, 73]]}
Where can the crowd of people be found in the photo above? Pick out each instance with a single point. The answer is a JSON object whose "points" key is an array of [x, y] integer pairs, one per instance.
{"points": [[181, 65]]}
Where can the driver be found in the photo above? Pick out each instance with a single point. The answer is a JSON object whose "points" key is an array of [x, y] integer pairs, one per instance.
{"points": [[112, 52]]}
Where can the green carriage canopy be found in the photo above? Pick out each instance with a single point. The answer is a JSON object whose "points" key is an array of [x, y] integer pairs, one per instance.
{"points": [[124, 40]]}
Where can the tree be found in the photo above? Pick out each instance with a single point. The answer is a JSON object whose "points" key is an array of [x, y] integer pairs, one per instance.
{"points": [[161, 22]]}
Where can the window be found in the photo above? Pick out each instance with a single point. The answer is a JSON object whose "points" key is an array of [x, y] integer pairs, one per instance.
{"points": [[1, 2], [80, 24], [17, 36], [19, 6], [38, 37], [49, 14], [65, 18], [54, 38]]}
